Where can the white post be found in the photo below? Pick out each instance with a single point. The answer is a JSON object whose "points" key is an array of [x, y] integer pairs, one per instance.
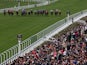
{"points": [[27, 43], [6, 55], [18, 3], [72, 19], [3, 56], [24, 45], [30, 41], [37, 37], [48, 2], [19, 36], [0, 59], [9, 55], [68, 14], [16, 51], [21, 46], [28, 2]]}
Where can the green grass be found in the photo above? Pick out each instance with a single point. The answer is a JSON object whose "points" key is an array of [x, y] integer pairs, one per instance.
{"points": [[9, 3], [10, 26]]}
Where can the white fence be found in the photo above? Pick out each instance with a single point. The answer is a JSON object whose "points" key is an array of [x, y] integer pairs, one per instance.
{"points": [[37, 39], [28, 6]]}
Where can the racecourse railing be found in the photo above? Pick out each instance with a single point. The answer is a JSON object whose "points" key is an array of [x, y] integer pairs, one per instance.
{"points": [[29, 44], [46, 2]]}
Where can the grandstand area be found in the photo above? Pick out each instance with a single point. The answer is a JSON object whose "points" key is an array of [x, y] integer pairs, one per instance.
{"points": [[62, 49], [30, 24]]}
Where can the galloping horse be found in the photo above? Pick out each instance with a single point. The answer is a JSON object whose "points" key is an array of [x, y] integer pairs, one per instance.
{"points": [[23, 12], [10, 12]]}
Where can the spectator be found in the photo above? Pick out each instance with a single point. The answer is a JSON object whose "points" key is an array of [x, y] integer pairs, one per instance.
{"points": [[68, 49]]}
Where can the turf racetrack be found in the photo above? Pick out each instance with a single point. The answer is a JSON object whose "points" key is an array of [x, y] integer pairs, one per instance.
{"points": [[10, 26]]}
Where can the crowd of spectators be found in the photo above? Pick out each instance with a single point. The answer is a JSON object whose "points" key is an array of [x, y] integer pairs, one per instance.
{"points": [[70, 48]]}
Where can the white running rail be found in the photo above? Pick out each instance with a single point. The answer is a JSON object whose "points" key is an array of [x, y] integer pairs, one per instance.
{"points": [[29, 6]]}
